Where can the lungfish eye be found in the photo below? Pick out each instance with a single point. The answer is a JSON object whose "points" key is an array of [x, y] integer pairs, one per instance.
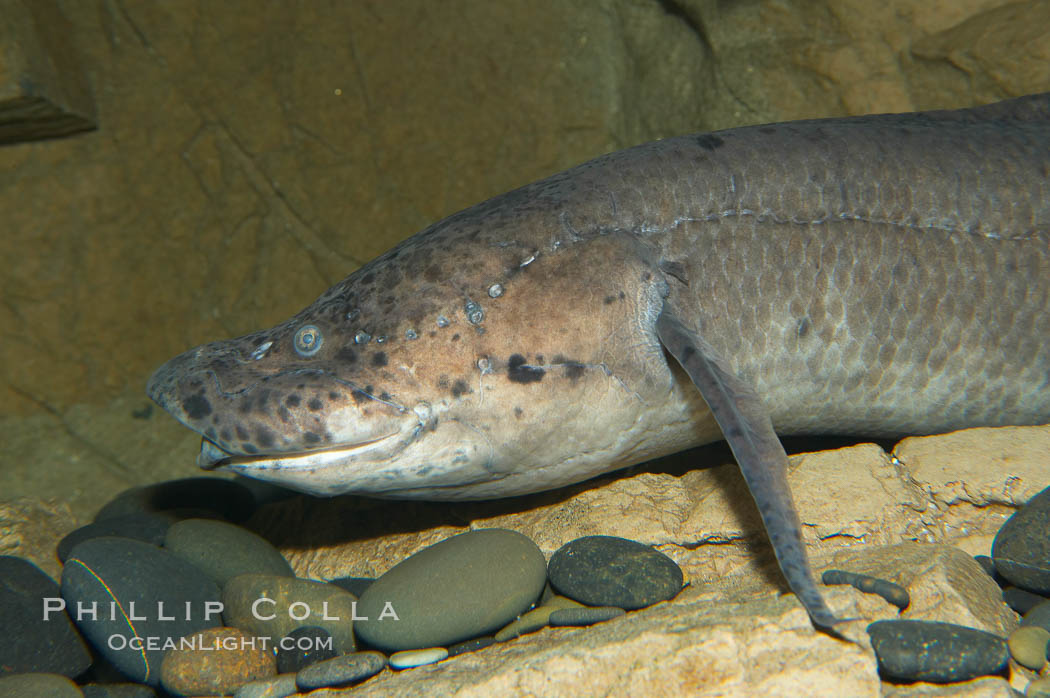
{"points": [[308, 340]]}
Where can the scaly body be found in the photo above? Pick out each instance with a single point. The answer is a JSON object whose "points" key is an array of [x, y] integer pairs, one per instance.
{"points": [[884, 274]]}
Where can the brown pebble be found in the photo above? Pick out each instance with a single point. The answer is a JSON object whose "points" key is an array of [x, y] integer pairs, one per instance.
{"points": [[216, 662]]}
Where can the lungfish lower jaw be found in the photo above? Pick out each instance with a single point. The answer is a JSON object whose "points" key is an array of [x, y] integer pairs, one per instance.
{"points": [[212, 457]]}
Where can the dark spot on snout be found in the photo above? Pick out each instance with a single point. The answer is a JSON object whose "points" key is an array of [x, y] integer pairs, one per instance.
{"points": [[242, 433], [249, 448], [315, 404], [520, 372], [379, 359], [347, 355], [292, 400], [311, 438], [709, 142], [197, 407], [459, 388], [803, 327], [518, 412]]}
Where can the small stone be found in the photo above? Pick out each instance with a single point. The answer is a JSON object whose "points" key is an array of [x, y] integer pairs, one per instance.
{"points": [[986, 564], [471, 645], [355, 585], [462, 587], [302, 647], [149, 528], [1021, 549], [893, 593], [340, 671], [1040, 688], [413, 658], [1028, 646], [230, 500], [529, 622], [610, 571], [584, 616], [1021, 600], [1038, 615], [280, 686], [117, 690], [223, 550], [29, 643], [288, 603], [917, 650], [113, 573], [536, 619], [33, 685], [220, 661]]}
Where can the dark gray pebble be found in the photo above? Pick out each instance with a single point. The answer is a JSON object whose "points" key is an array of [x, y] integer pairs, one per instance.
{"points": [[340, 671], [917, 650], [609, 571], [355, 585], [223, 550], [1021, 549], [471, 645], [583, 616], [28, 643], [892, 592], [113, 573], [117, 690], [148, 528], [302, 647], [1038, 615], [1022, 600], [230, 500], [986, 564]]}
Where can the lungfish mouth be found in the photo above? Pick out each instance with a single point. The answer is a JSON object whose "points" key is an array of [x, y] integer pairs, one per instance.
{"points": [[212, 457]]}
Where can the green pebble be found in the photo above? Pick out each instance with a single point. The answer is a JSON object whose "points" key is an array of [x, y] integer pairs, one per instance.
{"points": [[465, 586], [1028, 646]]}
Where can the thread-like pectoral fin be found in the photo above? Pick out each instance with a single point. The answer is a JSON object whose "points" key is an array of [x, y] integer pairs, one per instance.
{"points": [[748, 429]]}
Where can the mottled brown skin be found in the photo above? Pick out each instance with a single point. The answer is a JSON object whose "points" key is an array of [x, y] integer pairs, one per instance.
{"points": [[879, 275]]}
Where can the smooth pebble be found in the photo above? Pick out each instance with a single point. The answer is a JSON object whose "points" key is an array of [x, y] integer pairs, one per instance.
{"points": [[29, 643], [223, 550], [122, 571], [916, 650], [465, 586], [230, 500], [610, 571], [1021, 549], [340, 671], [302, 647], [584, 616], [288, 603], [412, 658], [280, 686], [1028, 646]]}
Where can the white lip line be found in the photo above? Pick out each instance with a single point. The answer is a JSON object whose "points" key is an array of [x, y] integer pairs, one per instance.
{"points": [[266, 461]]}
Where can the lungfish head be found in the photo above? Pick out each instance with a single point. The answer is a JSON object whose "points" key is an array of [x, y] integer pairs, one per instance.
{"points": [[490, 355]]}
